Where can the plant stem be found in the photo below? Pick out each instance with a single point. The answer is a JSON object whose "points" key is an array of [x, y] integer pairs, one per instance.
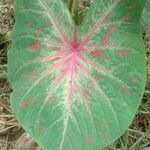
{"points": [[74, 10], [70, 2]]}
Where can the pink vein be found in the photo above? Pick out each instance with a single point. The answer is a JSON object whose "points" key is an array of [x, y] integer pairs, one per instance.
{"points": [[62, 18], [97, 66], [93, 47], [88, 75], [55, 44], [72, 77], [45, 58], [46, 73], [63, 37], [75, 39], [85, 71], [83, 97], [85, 102], [103, 70], [55, 86], [97, 26], [89, 36], [48, 57]]}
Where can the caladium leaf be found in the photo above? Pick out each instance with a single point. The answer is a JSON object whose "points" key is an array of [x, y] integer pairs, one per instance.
{"points": [[76, 87]]}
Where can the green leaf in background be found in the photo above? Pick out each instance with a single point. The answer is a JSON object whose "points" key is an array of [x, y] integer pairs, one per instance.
{"points": [[146, 16], [76, 87]]}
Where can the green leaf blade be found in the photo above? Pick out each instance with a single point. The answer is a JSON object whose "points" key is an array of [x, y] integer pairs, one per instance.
{"points": [[80, 85]]}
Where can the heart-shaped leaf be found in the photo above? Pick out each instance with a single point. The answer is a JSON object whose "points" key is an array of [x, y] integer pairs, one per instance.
{"points": [[76, 87]]}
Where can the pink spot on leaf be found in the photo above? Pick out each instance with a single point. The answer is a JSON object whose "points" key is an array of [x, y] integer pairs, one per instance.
{"points": [[34, 73], [81, 93], [56, 48], [98, 77], [97, 53], [126, 89], [127, 33], [29, 24], [36, 46], [90, 140], [22, 74], [110, 31], [87, 93], [126, 18], [104, 124], [134, 79], [39, 32], [56, 59], [43, 130], [48, 23], [123, 54], [105, 136], [105, 41], [27, 103]]}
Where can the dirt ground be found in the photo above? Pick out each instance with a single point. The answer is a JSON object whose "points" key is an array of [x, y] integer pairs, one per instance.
{"points": [[13, 137]]}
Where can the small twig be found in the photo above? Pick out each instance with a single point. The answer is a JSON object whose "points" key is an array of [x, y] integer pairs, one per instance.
{"points": [[6, 108], [146, 113], [74, 11], [147, 92], [136, 131], [8, 128], [6, 116]]}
